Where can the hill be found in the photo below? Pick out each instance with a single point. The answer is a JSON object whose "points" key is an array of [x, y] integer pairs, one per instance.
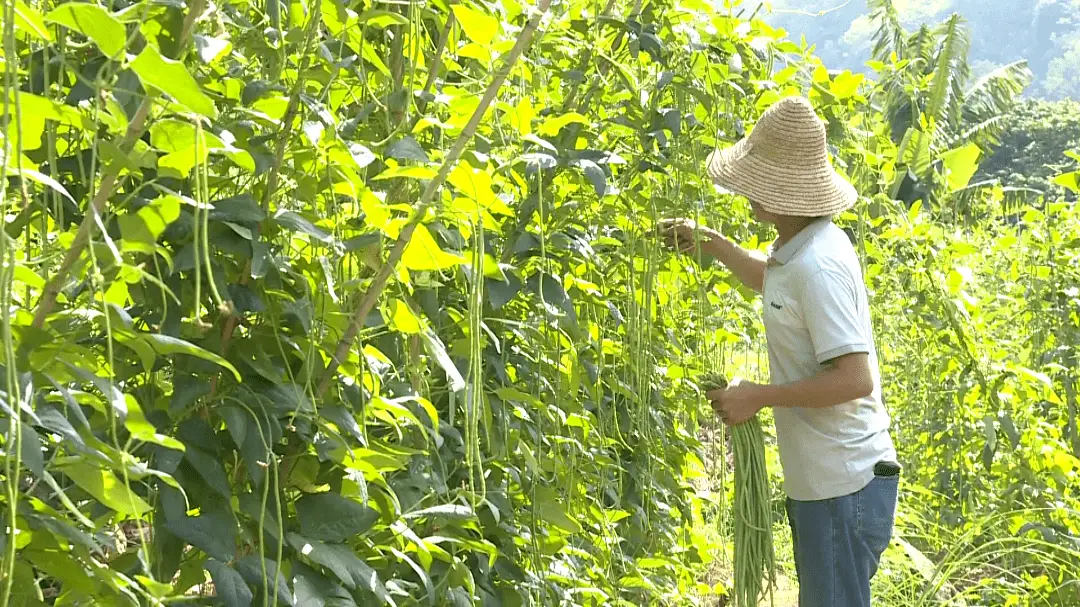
{"points": [[1045, 32]]}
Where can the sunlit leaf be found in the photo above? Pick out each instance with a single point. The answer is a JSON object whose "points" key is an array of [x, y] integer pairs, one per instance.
{"points": [[92, 21], [106, 488], [29, 20], [480, 28], [423, 253], [147, 224], [173, 79], [961, 164], [402, 319]]}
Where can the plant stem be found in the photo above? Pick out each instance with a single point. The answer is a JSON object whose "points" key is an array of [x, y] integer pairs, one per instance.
{"points": [[367, 303]]}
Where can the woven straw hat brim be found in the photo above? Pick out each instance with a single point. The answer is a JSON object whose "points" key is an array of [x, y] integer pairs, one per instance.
{"points": [[779, 188]]}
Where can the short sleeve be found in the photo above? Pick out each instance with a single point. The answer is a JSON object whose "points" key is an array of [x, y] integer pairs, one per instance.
{"points": [[830, 307]]}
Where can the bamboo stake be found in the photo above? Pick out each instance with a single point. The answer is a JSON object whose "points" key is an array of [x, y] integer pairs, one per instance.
{"points": [[367, 303]]}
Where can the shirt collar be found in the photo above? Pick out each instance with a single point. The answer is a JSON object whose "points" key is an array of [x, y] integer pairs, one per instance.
{"points": [[786, 252]]}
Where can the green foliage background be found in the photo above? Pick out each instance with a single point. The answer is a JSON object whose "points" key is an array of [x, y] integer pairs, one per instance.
{"points": [[201, 200]]}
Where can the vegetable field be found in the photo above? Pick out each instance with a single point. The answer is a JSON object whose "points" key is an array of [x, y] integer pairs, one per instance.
{"points": [[337, 302]]}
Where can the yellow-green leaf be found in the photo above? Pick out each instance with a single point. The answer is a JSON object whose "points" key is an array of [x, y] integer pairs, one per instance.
{"points": [[423, 253], [106, 488], [143, 430], [92, 21], [474, 184], [1069, 180], [402, 319], [408, 172], [381, 18], [553, 125], [961, 164], [172, 78], [29, 20], [147, 224], [845, 85], [480, 28]]}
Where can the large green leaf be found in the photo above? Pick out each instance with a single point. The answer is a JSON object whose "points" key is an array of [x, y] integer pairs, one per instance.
{"points": [[92, 21], [313, 589], [105, 487], [228, 585], [480, 28], [960, 165], [423, 253], [146, 225], [213, 532], [173, 79], [333, 517], [166, 345], [342, 561], [29, 20]]}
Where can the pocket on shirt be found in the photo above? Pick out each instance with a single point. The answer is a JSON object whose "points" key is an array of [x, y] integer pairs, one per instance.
{"points": [[782, 309]]}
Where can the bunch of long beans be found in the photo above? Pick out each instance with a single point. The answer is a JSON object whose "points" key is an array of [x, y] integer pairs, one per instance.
{"points": [[754, 556]]}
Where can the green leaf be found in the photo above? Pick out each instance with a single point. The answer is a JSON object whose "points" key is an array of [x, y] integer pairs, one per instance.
{"points": [[211, 49], [449, 512], [401, 318], [142, 430], [1071, 181], [264, 573], [92, 21], [147, 224], [105, 487], [846, 85], [29, 446], [165, 345], [333, 517], [342, 562], [212, 532], [210, 469], [423, 253], [915, 150], [960, 165], [313, 589], [172, 78], [549, 509], [553, 513], [172, 135], [407, 148], [43, 179], [229, 586], [29, 20], [296, 223], [382, 18], [553, 125], [479, 28], [437, 350]]}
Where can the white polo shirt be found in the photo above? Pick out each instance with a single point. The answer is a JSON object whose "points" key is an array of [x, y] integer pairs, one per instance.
{"points": [[816, 310]]}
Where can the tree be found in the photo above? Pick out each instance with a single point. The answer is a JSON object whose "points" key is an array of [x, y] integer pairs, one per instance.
{"points": [[941, 118]]}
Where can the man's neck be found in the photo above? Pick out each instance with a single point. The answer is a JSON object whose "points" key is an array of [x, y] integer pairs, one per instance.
{"points": [[788, 227]]}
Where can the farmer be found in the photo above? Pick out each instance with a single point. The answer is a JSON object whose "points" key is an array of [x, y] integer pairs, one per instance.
{"points": [[840, 474]]}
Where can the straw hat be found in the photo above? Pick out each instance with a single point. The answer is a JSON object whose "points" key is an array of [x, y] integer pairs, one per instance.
{"points": [[783, 164]]}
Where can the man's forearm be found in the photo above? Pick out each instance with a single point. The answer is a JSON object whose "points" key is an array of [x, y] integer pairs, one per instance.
{"points": [[747, 266], [831, 387]]}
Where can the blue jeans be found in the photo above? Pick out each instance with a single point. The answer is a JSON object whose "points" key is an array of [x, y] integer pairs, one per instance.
{"points": [[839, 541]]}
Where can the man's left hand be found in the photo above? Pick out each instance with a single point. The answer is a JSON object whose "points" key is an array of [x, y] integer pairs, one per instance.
{"points": [[738, 402]]}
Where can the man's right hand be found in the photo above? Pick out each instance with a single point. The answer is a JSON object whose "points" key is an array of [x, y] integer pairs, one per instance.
{"points": [[683, 235]]}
